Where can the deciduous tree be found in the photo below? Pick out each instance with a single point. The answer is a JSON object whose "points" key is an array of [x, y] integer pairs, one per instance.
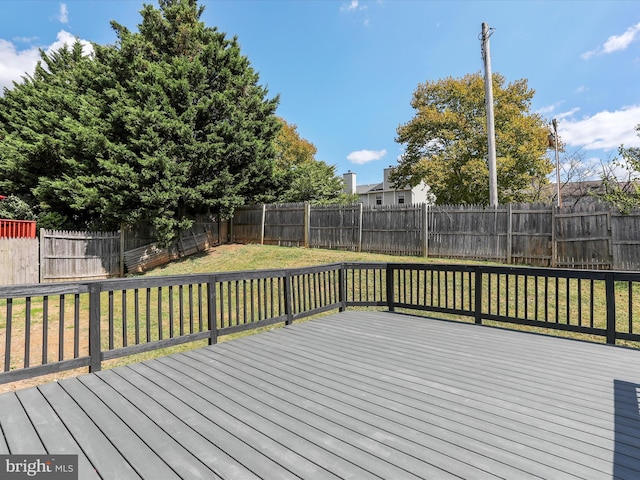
{"points": [[446, 141], [298, 176]]}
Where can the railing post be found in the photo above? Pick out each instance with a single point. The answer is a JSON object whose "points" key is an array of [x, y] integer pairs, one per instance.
{"points": [[212, 310], [610, 295], [391, 290], [288, 298], [342, 288], [478, 295], [95, 354]]}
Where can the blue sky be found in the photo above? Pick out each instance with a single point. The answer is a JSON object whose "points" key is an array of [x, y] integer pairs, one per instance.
{"points": [[346, 70]]}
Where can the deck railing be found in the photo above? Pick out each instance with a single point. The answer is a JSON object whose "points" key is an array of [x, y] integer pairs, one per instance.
{"points": [[54, 327]]}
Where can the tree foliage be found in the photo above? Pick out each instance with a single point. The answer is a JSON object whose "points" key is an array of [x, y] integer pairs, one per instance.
{"points": [[298, 176], [625, 194], [446, 141], [167, 123]]}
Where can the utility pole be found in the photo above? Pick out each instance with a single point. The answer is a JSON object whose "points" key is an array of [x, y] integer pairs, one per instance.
{"points": [[555, 142], [491, 132]]}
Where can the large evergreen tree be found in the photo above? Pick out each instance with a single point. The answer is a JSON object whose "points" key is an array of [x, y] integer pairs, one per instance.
{"points": [[167, 123]]}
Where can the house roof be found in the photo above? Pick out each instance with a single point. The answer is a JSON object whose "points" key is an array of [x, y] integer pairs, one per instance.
{"points": [[371, 187]]}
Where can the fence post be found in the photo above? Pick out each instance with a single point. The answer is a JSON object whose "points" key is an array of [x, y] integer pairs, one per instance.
{"points": [[212, 310], [554, 241], [610, 295], [478, 295], [307, 224], [425, 230], [360, 227], [95, 354], [509, 234], [122, 247], [262, 222], [42, 246], [391, 288]]}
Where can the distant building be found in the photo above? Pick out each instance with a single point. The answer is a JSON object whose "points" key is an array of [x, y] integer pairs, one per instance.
{"points": [[384, 194]]}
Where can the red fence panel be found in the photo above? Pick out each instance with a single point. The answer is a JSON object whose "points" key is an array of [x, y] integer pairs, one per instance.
{"points": [[17, 228]]}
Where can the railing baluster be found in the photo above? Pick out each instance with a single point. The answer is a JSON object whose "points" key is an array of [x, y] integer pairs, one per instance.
{"points": [[136, 314], [76, 325], [171, 316], [110, 320], [45, 329], [123, 297], [8, 335], [27, 332], [61, 329]]}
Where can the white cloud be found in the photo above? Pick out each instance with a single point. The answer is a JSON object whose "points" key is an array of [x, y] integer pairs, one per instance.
{"points": [[352, 6], [361, 157], [603, 131], [14, 63], [582, 89], [63, 13], [65, 38], [615, 43]]}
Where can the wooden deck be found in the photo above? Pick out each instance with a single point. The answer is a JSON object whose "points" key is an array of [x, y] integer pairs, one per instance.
{"points": [[353, 395]]}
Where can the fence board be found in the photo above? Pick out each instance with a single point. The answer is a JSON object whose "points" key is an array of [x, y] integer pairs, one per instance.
{"points": [[18, 261]]}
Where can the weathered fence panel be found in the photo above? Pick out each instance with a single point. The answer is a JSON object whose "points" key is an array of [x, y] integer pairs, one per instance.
{"points": [[335, 227], [66, 255], [625, 240], [468, 231], [284, 225], [530, 234], [247, 224], [18, 261], [583, 237], [393, 229]]}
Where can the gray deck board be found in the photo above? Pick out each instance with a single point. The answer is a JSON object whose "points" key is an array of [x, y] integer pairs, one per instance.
{"points": [[357, 395], [51, 430]]}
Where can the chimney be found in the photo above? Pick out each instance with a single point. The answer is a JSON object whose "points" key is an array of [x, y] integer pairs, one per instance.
{"points": [[349, 182], [386, 184]]}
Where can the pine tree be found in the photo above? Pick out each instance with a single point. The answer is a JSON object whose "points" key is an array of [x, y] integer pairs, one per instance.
{"points": [[167, 123]]}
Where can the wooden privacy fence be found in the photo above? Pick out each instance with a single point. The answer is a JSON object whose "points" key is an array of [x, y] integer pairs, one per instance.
{"points": [[594, 236], [68, 255], [59, 256], [18, 261], [49, 328]]}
